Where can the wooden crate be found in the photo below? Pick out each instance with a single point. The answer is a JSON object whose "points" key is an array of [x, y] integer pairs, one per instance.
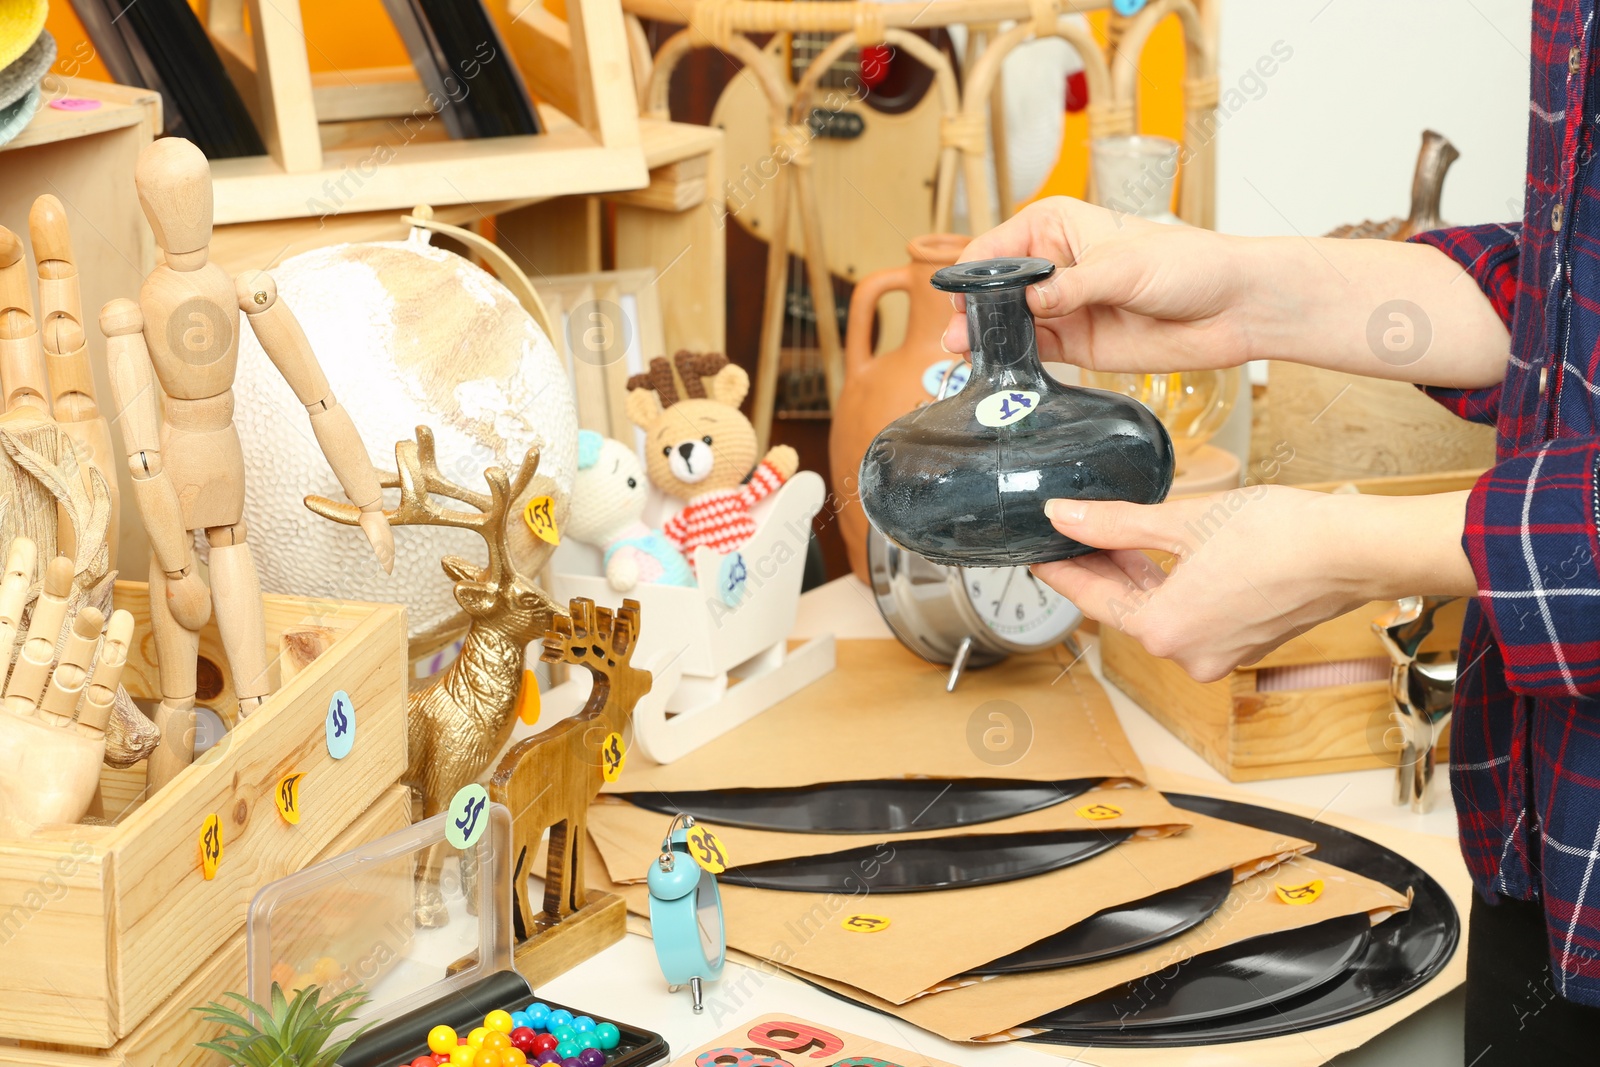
{"points": [[101, 925], [1249, 733]]}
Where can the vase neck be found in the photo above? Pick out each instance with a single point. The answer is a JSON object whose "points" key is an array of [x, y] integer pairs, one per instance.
{"points": [[1000, 328]]}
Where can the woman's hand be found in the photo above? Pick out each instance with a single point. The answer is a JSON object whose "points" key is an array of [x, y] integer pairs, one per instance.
{"points": [[1133, 295], [1252, 567]]}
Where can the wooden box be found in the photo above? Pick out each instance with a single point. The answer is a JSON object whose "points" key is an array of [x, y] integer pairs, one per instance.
{"points": [[1249, 728], [101, 925]]}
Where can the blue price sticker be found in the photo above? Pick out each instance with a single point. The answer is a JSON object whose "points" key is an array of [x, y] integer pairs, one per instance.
{"points": [[341, 724], [733, 580], [956, 370], [468, 816]]}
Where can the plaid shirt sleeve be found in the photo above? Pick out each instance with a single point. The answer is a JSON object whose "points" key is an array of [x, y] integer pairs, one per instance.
{"points": [[1489, 254]]}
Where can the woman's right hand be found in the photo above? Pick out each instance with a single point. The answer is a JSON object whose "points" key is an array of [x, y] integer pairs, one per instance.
{"points": [[1130, 294]]}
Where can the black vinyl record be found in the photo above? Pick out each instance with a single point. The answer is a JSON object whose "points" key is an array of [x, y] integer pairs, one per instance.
{"points": [[929, 863], [1119, 930], [877, 807], [1402, 953], [1243, 977], [465, 67]]}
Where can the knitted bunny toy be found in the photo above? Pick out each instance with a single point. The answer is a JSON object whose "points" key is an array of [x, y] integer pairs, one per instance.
{"points": [[700, 447], [608, 498]]}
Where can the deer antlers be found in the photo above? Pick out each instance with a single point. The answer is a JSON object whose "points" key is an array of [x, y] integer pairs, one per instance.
{"points": [[692, 367], [419, 481]]}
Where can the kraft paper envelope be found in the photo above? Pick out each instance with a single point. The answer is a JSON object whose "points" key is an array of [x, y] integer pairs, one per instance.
{"points": [[800, 1041], [883, 713], [629, 837], [935, 935], [995, 1009]]}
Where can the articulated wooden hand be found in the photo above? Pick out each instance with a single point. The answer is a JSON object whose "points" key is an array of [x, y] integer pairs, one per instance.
{"points": [[52, 728], [285, 344]]}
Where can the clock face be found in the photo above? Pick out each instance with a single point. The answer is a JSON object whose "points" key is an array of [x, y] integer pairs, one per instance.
{"points": [[708, 917], [1018, 607]]}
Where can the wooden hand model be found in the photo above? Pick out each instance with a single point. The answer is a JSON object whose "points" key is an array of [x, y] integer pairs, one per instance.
{"points": [[53, 339], [173, 354], [52, 728]]}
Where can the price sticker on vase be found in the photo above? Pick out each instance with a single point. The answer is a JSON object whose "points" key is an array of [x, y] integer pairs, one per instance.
{"points": [[341, 725], [287, 797], [468, 816], [1007, 407], [1303, 893], [540, 515], [613, 755], [865, 924], [210, 846], [1099, 812], [706, 850]]}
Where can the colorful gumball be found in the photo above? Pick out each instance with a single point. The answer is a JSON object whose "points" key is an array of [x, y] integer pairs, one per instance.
{"points": [[572, 1061], [498, 1020], [519, 1019], [488, 1057], [538, 1014], [564, 1033], [560, 1017], [582, 1023], [569, 1051], [546, 1057], [513, 1057], [440, 1057], [441, 1039], [592, 1057], [496, 1040], [475, 1039], [423, 1061], [544, 1043], [522, 1037], [463, 1055], [608, 1035], [588, 1040]]}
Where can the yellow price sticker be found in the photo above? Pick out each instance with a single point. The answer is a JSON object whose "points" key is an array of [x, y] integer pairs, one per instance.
{"points": [[528, 698], [540, 515], [865, 924], [1099, 812], [1304, 893], [287, 797], [706, 850], [210, 846], [613, 754]]}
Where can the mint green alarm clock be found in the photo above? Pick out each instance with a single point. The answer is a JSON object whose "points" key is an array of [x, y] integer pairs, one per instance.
{"points": [[686, 914]]}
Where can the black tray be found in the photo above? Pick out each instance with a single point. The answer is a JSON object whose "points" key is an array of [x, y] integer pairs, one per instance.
{"points": [[1243, 977], [1119, 930], [1403, 953], [879, 807], [402, 1040], [929, 863]]}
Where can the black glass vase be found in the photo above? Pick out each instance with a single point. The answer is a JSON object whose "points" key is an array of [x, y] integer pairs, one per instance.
{"points": [[963, 481]]}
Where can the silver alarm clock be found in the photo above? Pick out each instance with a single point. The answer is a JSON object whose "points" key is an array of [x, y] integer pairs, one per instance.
{"points": [[966, 617]]}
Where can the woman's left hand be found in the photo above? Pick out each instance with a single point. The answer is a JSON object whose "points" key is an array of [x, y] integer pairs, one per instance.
{"points": [[1252, 567]]}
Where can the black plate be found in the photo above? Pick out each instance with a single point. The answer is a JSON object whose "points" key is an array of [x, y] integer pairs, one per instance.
{"points": [[1403, 953], [929, 863], [886, 807], [1122, 929], [1249, 975]]}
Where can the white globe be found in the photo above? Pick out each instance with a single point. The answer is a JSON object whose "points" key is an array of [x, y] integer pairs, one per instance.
{"points": [[408, 335]]}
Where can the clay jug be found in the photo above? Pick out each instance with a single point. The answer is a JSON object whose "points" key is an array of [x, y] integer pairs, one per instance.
{"points": [[878, 390]]}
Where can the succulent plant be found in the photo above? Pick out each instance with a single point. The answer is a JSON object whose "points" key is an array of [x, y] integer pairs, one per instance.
{"points": [[293, 1033]]}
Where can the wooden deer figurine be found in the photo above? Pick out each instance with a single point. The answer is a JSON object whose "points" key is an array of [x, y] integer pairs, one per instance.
{"points": [[549, 780], [463, 717]]}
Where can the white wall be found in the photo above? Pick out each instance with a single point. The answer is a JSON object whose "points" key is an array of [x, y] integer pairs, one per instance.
{"points": [[1331, 136]]}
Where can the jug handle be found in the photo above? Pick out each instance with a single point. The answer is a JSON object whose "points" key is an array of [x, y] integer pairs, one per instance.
{"points": [[863, 310]]}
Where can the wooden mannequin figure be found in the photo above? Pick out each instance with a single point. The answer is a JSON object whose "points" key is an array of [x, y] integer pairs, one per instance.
{"points": [[172, 358]]}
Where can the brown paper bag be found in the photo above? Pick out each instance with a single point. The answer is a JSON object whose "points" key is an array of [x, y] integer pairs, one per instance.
{"points": [[799, 1041], [995, 1008], [883, 713], [629, 837]]}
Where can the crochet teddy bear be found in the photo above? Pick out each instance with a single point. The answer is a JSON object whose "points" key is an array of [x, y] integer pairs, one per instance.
{"points": [[608, 499], [700, 447]]}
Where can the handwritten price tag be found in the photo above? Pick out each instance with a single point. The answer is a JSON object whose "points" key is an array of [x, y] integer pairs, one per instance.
{"points": [[1099, 812], [540, 515], [468, 817], [733, 579], [1006, 407], [865, 924], [1304, 893], [210, 846], [341, 725], [706, 850], [613, 754], [287, 797]]}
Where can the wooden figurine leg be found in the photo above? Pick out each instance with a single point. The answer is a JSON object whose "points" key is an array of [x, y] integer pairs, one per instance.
{"points": [[177, 652], [236, 594]]}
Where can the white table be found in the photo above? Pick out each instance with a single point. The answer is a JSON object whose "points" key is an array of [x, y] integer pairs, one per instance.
{"points": [[624, 982]]}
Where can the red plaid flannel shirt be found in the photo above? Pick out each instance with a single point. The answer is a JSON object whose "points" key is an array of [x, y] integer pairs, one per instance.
{"points": [[1525, 739]]}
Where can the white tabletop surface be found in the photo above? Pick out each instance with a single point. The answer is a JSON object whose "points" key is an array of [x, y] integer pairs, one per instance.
{"points": [[623, 981]]}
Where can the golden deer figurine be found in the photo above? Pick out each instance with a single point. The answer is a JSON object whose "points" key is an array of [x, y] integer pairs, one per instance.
{"points": [[549, 780], [460, 719]]}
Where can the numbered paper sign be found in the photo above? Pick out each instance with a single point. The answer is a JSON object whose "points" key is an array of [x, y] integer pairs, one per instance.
{"points": [[287, 797], [468, 816], [706, 850], [210, 846], [1007, 407], [613, 754], [341, 725], [540, 515], [733, 579], [865, 924], [1099, 812], [1303, 893]]}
